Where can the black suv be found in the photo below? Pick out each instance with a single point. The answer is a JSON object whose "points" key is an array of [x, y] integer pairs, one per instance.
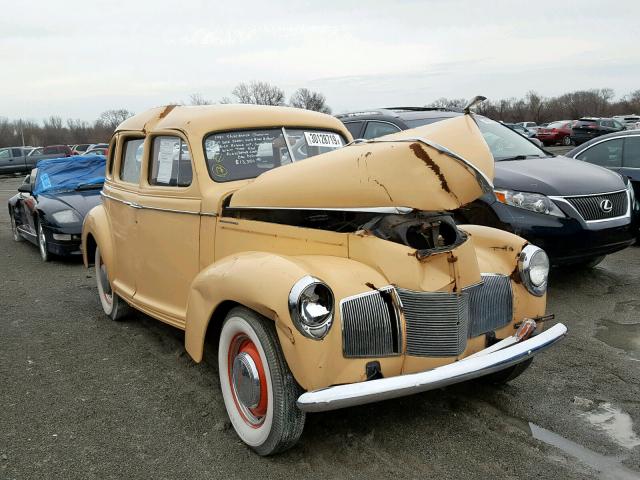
{"points": [[576, 211], [586, 128]]}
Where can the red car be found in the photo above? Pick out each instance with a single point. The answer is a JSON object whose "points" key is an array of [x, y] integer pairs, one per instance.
{"points": [[555, 132]]}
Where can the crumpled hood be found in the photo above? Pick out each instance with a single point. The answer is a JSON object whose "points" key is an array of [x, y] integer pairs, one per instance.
{"points": [[397, 170], [559, 176], [80, 201]]}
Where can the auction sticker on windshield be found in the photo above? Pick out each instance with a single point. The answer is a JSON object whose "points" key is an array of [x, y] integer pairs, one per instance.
{"points": [[330, 140]]}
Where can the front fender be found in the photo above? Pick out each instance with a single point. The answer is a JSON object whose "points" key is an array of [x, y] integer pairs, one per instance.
{"points": [[262, 282], [96, 226]]}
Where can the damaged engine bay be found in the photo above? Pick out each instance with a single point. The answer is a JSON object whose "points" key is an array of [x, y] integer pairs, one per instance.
{"points": [[427, 232]]}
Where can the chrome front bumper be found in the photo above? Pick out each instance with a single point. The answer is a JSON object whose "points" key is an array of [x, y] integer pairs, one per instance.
{"points": [[503, 354]]}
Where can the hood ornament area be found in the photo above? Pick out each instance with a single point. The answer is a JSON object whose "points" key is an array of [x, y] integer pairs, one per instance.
{"points": [[606, 205]]}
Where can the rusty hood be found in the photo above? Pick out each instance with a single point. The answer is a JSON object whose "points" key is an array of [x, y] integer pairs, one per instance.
{"points": [[437, 167]]}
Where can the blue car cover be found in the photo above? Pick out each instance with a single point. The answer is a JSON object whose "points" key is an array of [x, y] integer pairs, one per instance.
{"points": [[67, 173]]}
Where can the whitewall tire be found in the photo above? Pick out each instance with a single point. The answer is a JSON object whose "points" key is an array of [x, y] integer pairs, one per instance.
{"points": [[114, 307], [257, 386]]}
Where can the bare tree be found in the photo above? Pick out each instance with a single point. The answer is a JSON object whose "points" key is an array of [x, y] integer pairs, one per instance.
{"points": [[448, 103], [198, 99], [305, 98], [110, 119], [259, 93]]}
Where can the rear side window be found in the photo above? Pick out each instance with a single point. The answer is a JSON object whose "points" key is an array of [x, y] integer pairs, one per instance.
{"points": [[631, 156], [355, 128], [131, 160], [606, 154], [6, 153], [170, 162], [378, 129]]}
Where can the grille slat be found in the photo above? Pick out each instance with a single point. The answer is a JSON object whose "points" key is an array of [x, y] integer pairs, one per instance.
{"points": [[589, 207], [368, 326], [437, 324]]}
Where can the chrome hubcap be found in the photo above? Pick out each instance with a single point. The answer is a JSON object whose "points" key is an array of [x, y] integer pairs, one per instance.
{"points": [[42, 242], [246, 380]]}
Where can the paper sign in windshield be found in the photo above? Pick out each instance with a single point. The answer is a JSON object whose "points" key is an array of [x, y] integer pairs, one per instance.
{"points": [[328, 140], [168, 149]]}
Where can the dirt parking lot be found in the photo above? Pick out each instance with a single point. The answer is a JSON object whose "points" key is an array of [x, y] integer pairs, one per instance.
{"points": [[83, 397]]}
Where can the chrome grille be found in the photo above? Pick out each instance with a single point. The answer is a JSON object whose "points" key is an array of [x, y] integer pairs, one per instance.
{"points": [[436, 322], [371, 324], [490, 304], [589, 207]]}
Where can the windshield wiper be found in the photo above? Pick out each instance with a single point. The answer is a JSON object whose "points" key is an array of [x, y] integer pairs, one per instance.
{"points": [[521, 157]]}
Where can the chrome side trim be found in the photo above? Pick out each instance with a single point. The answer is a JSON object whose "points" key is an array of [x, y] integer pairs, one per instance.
{"points": [[341, 396], [393, 210], [146, 207], [485, 182]]}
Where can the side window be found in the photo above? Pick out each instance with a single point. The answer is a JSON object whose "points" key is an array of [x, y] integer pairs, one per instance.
{"points": [[631, 156], [6, 153], [17, 152], [131, 160], [170, 162], [355, 128], [378, 129], [606, 154]]}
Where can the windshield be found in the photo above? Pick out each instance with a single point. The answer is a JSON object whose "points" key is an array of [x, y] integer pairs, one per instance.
{"points": [[243, 154], [504, 143]]}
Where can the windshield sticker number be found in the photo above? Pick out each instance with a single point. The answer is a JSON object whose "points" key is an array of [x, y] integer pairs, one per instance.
{"points": [[328, 140]]}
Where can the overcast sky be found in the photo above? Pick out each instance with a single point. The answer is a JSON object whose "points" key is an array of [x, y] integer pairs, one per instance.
{"points": [[76, 58]]}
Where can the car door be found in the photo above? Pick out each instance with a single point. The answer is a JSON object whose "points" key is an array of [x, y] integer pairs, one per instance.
{"points": [[120, 195], [6, 160], [168, 241], [631, 161], [607, 153]]}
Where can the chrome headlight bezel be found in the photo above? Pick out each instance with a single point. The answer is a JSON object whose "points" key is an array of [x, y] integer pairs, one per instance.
{"points": [[315, 330], [527, 200], [66, 216], [525, 260]]}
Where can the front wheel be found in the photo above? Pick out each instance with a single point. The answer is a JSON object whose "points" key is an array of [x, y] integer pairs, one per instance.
{"points": [[566, 141], [42, 243], [257, 386], [114, 306]]}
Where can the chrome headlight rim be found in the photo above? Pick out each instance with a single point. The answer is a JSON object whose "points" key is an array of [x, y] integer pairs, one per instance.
{"points": [[315, 332], [524, 267]]}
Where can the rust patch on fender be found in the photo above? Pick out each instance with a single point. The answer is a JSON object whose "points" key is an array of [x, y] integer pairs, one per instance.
{"points": [[424, 156], [166, 111]]}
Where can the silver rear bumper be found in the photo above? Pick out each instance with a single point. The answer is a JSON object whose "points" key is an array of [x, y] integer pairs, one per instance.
{"points": [[482, 363]]}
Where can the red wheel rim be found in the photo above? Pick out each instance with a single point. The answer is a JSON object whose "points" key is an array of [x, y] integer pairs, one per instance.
{"points": [[254, 417]]}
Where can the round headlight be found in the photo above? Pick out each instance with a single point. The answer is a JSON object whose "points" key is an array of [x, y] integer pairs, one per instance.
{"points": [[534, 269], [311, 307]]}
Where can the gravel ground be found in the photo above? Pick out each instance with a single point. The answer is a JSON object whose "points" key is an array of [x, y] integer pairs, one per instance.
{"points": [[83, 397]]}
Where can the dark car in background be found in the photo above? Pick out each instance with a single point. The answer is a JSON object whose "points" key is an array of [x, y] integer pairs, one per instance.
{"points": [[584, 129], [554, 202], [52, 202], [555, 132], [619, 152]]}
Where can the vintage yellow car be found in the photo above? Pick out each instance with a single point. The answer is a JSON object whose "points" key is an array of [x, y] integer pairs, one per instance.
{"points": [[331, 272]]}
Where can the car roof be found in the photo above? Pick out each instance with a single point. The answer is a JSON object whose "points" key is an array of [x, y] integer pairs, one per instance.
{"points": [[622, 133], [202, 119]]}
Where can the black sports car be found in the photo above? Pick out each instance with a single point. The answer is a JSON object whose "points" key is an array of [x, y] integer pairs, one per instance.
{"points": [[52, 202]]}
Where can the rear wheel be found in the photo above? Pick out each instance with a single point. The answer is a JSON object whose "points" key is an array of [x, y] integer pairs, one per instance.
{"points": [[14, 227], [114, 306], [566, 141], [42, 243], [258, 388], [505, 376]]}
